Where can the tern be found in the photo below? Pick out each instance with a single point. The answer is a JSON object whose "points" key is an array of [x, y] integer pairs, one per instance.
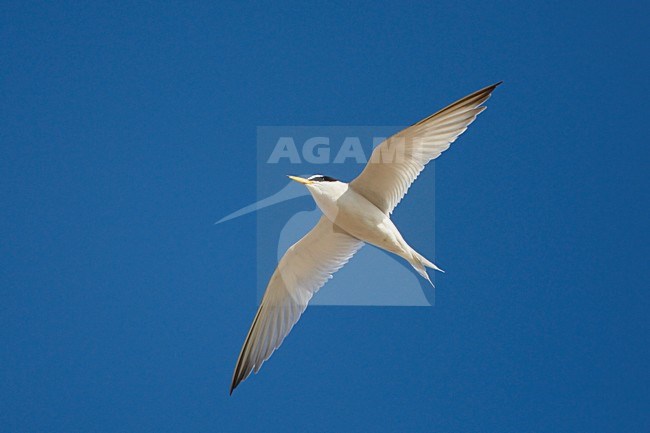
{"points": [[354, 213]]}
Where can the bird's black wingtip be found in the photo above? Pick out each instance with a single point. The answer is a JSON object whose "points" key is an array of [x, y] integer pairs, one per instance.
{"points": [[490, 88], [234, 385]]}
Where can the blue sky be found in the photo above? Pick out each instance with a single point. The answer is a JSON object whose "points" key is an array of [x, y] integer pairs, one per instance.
{"points": [[127, 130]]}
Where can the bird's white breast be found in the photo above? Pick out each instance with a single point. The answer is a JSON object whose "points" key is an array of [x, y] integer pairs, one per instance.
{"points": [[359, 217]]}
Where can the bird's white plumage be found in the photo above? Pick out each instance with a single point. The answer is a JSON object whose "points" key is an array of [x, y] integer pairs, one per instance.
{"points": [[396, 163], [362, 207], [303, 269]]}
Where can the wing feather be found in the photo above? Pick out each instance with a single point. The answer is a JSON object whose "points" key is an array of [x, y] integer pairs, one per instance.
{"points": [[396, 163], [303, 269]]}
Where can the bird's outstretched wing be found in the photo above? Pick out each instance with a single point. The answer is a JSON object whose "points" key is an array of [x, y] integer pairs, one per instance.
{"points": [[396, 163], [305, 267]]}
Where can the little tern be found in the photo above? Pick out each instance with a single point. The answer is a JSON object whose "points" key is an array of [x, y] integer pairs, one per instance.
{"points": [[354, 213]]}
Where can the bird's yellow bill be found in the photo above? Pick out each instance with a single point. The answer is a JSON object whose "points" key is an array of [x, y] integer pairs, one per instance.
{"points": [[300, 180]]}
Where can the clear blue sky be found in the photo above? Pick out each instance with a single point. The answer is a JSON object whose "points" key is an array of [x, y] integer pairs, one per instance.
{"points": [[127, 130]]}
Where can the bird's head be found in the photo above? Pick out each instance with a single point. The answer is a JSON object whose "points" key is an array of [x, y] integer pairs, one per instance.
{"points": [[319, 184], [315, 178]]}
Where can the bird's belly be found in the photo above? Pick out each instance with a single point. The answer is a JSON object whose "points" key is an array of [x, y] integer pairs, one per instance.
{"points": [[363, 220]]}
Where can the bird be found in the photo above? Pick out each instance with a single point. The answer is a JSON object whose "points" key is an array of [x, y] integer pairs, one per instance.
{"points": [[353, 214]]}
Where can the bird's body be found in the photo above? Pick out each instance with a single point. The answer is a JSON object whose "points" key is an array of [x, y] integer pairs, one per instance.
{"points": [[358, 217], [353, 214]]}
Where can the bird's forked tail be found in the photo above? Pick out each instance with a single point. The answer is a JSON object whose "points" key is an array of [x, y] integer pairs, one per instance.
{"points": [[420, 264]]}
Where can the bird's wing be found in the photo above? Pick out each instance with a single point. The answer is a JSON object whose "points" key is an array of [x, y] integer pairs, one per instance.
{"points": [[396, 163], [305, 267]]}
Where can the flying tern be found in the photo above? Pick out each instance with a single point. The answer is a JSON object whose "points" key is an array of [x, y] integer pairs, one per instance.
{"points": [[354, 213]]}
